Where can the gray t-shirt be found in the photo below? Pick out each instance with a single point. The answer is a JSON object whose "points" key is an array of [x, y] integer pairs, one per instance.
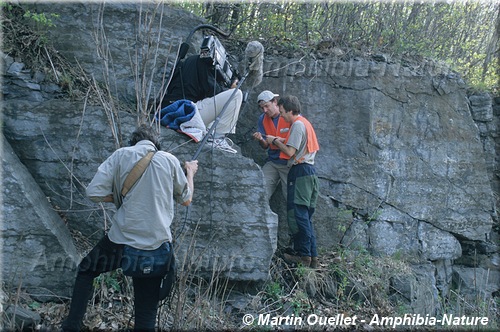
{"points": [[298, 140]]}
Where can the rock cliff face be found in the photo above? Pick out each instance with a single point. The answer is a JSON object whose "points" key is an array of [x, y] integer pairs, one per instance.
{"points": [[402, 163], [37, 247]]}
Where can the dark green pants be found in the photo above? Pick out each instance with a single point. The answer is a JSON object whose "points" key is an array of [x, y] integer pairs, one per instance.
{"points": [[302, 195]]}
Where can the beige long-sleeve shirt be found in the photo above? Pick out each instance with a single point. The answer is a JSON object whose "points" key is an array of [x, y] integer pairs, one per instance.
{"points": [[143, 220]]}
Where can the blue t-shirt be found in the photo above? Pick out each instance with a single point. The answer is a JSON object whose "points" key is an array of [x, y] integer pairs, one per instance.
{"points": [[272, 154]]}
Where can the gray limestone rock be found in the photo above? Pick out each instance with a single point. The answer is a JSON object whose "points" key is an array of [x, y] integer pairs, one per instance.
{"points": [[37, 250]]}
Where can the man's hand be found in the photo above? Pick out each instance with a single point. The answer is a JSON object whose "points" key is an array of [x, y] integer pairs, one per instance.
{"points": [[191, 167], [271, 139], [258, 136], [280, 143]]}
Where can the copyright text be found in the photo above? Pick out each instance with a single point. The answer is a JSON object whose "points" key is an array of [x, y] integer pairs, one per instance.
{"points": [[375, 320]]}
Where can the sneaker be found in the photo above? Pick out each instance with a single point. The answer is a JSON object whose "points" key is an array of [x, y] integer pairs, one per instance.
{"points": [[225, 144]]}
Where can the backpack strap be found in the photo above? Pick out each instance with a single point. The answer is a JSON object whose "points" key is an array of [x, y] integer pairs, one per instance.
{"points": [[136, 172]]}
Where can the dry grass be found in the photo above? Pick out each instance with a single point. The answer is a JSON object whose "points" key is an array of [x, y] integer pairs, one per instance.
{"points": [[350, 283]]}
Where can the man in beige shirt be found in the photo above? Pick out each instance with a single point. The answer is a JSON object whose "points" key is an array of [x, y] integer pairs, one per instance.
{"points": [[142, 221]]}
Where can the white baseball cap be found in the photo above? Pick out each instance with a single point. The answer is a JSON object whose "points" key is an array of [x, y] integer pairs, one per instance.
{"points": [[266, 96]]}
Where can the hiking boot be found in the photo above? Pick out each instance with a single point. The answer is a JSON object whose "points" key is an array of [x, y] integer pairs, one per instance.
{"points": [[224, 144], [303, 260], [314, 263]]}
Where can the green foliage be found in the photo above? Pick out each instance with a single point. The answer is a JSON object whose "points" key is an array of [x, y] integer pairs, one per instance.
{"points": [[342, 280], [109, 280], [34, 305], [480, 305], [374, 216], [66, 83], [25, 33], [363, 278], [398, 255], [41, 19], [300, 303], [301, 270], [462, 33], [5, 6], [274, 290]]}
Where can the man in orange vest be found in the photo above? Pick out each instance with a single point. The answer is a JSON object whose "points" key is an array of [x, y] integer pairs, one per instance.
{"points": [[300, 145], [270, 123]]}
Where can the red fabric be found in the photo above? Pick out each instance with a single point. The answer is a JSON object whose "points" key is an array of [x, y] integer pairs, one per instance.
{"points": [[281, 131], [312, 140]]}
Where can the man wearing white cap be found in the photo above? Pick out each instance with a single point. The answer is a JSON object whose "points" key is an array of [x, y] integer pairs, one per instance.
{"points": [[271, 123]]}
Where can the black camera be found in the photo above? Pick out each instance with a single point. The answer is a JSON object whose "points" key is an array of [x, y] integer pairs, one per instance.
{"points": [[212, 50]]}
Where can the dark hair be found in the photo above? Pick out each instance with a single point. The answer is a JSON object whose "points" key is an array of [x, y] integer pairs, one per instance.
{"points": [[290, 103], [145, 132]]}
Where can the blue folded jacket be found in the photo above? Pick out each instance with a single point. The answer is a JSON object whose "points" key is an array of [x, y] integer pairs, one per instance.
{"points": [[176, 113]]}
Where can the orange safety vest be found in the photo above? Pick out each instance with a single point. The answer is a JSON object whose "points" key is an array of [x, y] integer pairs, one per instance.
{"points": [[281, 131], [312, 140]]}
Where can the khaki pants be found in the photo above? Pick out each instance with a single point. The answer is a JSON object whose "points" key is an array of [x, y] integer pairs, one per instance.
{"points": [[210, 108], [274, 174]]}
